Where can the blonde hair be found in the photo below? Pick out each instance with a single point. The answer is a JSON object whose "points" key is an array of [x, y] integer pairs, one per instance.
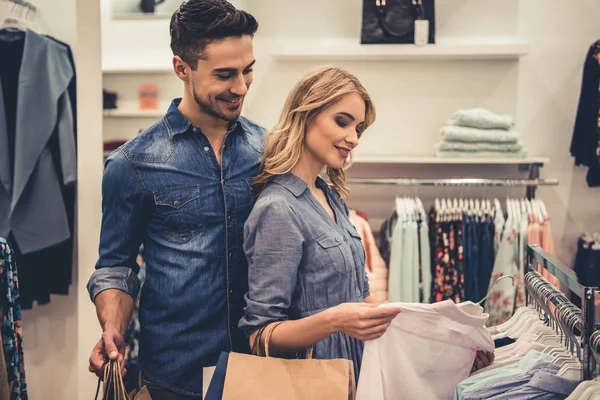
{"points": [[313, 93]]}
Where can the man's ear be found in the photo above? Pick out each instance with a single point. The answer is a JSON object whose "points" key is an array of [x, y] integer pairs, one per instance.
{"points": [[181, 68]]}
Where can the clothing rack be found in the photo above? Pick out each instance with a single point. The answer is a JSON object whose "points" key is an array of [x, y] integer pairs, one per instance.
{"points": [[577, 324], [457, 182], [26, 4]]}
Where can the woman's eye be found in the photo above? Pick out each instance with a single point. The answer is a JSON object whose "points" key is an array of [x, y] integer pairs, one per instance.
{"points": [[342, 124]]}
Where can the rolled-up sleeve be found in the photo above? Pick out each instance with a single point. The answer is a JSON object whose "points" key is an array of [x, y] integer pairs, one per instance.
{"points": [[273, 243], [122, 229]]}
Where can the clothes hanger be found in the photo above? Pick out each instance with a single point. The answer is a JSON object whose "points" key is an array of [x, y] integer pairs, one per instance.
{"points": [[493, 284]]}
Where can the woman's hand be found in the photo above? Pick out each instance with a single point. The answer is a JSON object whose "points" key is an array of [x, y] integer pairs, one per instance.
{"points": [[362, 321], [482, 360]]}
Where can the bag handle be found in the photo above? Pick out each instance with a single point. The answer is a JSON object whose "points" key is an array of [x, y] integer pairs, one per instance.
{"points": [[381, 5], [113, 381], [271, 328]]}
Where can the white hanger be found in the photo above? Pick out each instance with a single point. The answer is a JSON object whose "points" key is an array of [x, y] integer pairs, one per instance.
{"points": [[508, 208], [437, 205], [521, 312]]}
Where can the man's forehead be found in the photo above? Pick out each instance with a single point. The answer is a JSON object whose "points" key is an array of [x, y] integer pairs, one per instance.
{"points": [[229, 53]]}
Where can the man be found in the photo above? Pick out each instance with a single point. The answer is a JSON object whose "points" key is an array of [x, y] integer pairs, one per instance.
{"points": [[182, 187]]}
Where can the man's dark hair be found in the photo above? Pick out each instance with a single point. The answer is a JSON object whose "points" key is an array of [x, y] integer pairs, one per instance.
{"points": [[199, 22]]}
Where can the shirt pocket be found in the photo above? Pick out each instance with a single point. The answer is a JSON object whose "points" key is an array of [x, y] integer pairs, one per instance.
{"points": [[357, 244], [179, 211], [332, 252]]}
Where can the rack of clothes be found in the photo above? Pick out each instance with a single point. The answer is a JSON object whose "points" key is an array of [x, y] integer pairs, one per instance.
{"points": [[460, 246], [38, 165], [546, 350]]}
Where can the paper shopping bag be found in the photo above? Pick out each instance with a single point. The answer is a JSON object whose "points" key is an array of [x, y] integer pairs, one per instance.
{"points": [[252, 377]]}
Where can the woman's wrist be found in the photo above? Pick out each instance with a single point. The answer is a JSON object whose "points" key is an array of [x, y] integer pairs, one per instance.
{"points": [[332, 321]]}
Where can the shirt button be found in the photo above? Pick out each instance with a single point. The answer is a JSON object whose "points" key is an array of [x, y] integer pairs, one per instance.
{"points": [[177, 203], [195, 129], [345, 239], [229, 217], [337, 239], [206, 148], [230, 254]]}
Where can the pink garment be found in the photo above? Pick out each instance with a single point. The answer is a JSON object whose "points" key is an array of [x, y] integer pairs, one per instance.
{"points": [[547, 243], [377, 272], [427, 350], [513, 353]]}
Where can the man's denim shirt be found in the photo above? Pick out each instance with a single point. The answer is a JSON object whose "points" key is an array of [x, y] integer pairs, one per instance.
{"points": [[166, 190]]}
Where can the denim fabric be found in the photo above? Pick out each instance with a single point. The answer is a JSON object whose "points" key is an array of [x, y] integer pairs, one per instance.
{"points": [[302, 262], [165, 188], [470, 257], [486, 256]]}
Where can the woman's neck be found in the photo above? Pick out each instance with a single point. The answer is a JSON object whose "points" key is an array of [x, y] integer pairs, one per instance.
{"points": [[308, 169]]}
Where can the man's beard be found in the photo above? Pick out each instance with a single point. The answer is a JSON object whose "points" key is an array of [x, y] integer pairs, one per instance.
{"points": [[209, 109]]}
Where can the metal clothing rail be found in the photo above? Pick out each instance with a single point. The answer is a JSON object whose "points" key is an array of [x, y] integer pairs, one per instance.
{"points": [[582, 323], [456, 182], [25, 4]]}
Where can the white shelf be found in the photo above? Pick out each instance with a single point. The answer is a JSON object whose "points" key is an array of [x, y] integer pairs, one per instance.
{"points": [[451, 161], [131, 111], [449, 49], [137, 16], [158, 62]]}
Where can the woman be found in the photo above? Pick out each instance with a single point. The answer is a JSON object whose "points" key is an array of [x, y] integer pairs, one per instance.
{"points": [[306, 259]]}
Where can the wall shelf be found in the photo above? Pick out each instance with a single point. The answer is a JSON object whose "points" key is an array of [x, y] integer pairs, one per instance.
{"points": [[131, 111], [539, 161], [449, 49]]}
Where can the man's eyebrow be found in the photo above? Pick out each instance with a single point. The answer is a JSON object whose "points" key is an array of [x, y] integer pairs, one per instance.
{"points": [[223, 70]]}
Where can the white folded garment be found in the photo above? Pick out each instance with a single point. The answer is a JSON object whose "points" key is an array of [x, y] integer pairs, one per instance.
{"points": [[481, 118], [480, 146], [453, 133], [488, 154]]}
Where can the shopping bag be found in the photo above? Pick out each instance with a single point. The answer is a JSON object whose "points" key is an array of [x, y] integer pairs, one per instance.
{"points": [[114, 387], [253, 377], [215, 389]]}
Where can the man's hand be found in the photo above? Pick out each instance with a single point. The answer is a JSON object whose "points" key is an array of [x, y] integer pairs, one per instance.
{"points": [[110, 347], [482, 360]]}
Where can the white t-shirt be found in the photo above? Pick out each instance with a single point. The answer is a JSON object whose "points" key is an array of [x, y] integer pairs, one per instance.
{"points": [[427, 350]]}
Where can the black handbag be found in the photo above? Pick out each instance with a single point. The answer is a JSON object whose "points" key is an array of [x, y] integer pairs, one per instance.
{"points": [[393, 21]]}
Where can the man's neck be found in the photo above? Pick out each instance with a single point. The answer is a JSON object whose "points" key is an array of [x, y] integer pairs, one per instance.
{"points": [[213, 128]]}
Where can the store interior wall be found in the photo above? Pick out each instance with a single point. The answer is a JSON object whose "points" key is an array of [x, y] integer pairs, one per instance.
{"points": [[58, 337], [413, 98]]}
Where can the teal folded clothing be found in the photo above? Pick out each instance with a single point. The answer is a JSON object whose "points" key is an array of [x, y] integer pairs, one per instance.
{"points": [[454, 133], [488, 154], [481, 118], [480, 146]]}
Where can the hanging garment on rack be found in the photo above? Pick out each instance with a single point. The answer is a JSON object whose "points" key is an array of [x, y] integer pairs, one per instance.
{"points": [[409, 276], [425, 353], [478, 240], [12, 330], [585, 143], [376, 268], [38, 170], [587, 262], [504, 297], [448, 280]]}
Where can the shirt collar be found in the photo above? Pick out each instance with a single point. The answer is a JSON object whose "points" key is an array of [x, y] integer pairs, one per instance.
{"points": [[178, 124], [296, 185], [551, 383]]}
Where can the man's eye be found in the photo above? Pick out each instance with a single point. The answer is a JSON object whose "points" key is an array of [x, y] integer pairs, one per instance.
{"points": [[224, 76]]}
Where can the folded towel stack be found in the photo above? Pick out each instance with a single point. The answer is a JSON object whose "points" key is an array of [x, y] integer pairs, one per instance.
{"points": [[479, 133]]}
